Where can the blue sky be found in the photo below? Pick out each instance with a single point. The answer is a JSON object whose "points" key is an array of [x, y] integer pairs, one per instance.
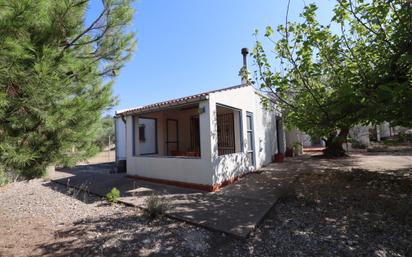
{"points": [[190, 46]]}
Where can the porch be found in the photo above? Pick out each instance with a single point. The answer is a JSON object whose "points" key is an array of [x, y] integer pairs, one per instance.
{"points": [[185, 145]]}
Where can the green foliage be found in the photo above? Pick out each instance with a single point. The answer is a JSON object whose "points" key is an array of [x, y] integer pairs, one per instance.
{"points": [[404, 137], [297, 147], [105, 131], [113, 195], [56, 77], [331, 81], [4, 180]]}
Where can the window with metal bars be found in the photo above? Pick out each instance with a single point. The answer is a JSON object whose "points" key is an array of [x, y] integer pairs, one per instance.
{"points": [[225, 133]]}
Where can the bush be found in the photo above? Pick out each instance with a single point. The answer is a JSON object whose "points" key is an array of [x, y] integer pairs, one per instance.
{"points": [[4, 177], [404, 137], [4, 180], [155, 206], [113, 195]]}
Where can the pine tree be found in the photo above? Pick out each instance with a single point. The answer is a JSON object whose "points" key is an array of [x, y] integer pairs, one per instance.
{"points": [[56, 77]]}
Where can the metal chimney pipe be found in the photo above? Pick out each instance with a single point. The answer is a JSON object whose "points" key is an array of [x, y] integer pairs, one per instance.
{"points": [[244, 52]]}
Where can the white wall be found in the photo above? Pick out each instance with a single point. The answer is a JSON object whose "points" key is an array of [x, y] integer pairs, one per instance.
{"points": [[160, 133], [266, 135], [149, 145], [293, 136], [361, 134], [211, 168], [120, 130], [384, 128], [190, 170], [231, 165]]}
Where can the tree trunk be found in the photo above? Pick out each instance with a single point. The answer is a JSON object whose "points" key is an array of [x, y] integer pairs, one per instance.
{"points": [[334, 144]]}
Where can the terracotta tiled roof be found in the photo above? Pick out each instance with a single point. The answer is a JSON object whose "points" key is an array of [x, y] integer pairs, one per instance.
{"points": [[174, 102]]}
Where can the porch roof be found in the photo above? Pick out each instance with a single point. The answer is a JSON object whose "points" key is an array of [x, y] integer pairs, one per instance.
{"points": [[175, 102]]}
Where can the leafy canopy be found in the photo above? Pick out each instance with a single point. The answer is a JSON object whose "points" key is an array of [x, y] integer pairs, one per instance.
{"points": [[355, 70], [56, 76]]}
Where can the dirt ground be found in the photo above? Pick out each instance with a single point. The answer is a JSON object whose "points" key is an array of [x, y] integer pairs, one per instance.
{"points": [[333, 210], [102, 157]]}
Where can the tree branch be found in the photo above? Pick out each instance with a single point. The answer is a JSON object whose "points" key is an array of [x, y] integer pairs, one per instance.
{"points": [[88, 28]]}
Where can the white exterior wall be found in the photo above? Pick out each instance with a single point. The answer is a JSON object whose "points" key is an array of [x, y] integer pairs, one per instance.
{"points": [[189, 170], [211, 168], [120, 130], [384, 128], [232, 165], [149, 144], [361, 134], [294, 136], [266, 133]]}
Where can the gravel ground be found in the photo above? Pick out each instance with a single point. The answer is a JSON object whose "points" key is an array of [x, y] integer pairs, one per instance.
{"points": [[40, 218], [328, 213], [335, 213]]}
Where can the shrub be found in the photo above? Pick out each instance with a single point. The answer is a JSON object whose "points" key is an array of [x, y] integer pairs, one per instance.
{"points": [[404, 137], [4, 180], [4, 177], [155, 206], [113, 195]]}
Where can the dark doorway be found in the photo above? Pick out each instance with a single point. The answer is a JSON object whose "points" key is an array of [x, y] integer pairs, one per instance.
{"points": [[195, 134], [279, 134], [172, 136]]}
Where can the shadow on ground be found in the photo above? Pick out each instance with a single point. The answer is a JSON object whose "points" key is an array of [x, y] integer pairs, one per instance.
{"points": [[325, 212], [239, 207], [337, 213], [131, 235]]}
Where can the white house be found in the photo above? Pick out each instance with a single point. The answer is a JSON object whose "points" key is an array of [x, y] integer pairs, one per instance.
{"points": [[203, 141]]}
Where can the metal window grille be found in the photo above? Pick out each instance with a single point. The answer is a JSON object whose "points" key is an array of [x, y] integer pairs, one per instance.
{"points": [[225, 133]]}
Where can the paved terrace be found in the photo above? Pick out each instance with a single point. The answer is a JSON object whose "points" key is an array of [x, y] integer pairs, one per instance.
{"points": [[235, 210], [238, 208]]}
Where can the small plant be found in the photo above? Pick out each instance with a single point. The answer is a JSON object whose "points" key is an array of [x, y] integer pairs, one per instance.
{"points": [[155, 206], [5, 177], [75, 191], [4, 180], [297, 148], [113, 195]]}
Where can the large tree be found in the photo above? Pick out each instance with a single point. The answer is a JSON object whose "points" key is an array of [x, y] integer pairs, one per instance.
{"points": [[332, 79], [56, 76]]}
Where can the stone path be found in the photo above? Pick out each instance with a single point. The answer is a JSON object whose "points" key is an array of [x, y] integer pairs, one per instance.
{"points": [[235, 210]]}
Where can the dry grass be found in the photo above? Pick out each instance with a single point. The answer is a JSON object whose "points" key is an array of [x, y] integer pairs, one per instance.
{"points": [[155, 206]]}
